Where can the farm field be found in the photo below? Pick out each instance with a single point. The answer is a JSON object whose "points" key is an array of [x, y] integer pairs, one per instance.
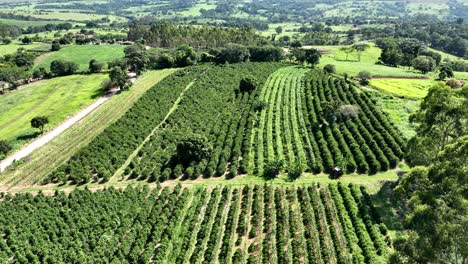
{"points": [[13, 47], [55, 98], [244, 138], [248, 224], [81, 55], [47, 158], [407, 88]]}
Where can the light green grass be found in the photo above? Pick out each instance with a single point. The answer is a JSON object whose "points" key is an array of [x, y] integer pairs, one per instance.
{"points": [[14, 46], [56, 98], [25, 23], [404, 87], [81, 55], [194, 11], [45, 159], [398, 109], [353, 66]]}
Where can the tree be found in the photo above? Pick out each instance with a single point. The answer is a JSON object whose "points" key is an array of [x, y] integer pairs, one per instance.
{"points": [[364, 77], [296, 169], [185, 56], [279, 30], [62, 68], [248, 84], [137, 58], [441, 119], [55, 46], [424, 64], [193, 148], [437, 208], [312, 56], [39, 122], [5, 147], [6, 41], [445, 71], [232, 53], [26, 40], [410, 50], [298, 55], [273, 169], [360, 48], [296, 44], [95, 66], [347, 51], [329, 68], [119, 77]]}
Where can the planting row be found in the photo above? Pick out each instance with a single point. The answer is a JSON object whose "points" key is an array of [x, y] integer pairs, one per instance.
{"points": [[250, 224]]}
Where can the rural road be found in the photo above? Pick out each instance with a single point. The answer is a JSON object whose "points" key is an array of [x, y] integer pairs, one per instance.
{"points": [[41, 141]]}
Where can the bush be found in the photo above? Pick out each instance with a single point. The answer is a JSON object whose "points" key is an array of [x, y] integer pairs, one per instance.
{"points": [[273, 168], [5, 147], [329, 68], [248, 84], [454, 84], [364, 77], [296, 170], [62, 68]]}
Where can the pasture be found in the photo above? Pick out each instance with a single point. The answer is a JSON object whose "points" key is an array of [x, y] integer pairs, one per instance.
{"points": [[81, 55], [351, 65], [56, 98], [47, 158]]}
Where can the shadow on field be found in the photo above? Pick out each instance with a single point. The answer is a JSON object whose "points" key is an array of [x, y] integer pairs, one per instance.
{"points": [[28, 136]]}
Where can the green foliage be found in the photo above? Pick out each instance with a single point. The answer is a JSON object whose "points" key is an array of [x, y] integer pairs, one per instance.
{"points": [[39, 122], [329, 68], [5, 147], [364, 77], [296, 170], [193, 147], [62, 67], [248, 84], [273, 168], [424, 64], [436, 200], [119, 77], [441, 119]]}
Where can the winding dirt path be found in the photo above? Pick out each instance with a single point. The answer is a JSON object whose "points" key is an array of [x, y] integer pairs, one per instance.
{"points": [[39, 142]]}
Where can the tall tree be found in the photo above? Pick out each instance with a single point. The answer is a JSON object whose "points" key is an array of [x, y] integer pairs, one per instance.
{"points": [[119, 77], [442, 118], [437, 201]]}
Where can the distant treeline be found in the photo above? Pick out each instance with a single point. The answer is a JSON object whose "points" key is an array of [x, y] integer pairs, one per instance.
{"points": [[451, 37], [169, 35]]}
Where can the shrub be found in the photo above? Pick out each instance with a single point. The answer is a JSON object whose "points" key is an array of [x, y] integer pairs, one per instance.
{"points": [[273, 168], [329, 68]]}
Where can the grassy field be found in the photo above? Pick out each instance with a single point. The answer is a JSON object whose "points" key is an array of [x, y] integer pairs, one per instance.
{"points": [[14, 46], [25, 23], [407, 88], [57, 99], [45, 159], [81, 55], [353, 66]]}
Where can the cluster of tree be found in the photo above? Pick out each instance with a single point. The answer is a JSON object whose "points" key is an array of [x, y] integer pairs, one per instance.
{"points": [[15, 68], [9, 31], [311, 56], [169, 35], [47, 27], [434, 191], [409, 52], [447, 36]]}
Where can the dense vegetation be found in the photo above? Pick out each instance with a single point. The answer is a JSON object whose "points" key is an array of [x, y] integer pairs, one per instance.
{"points": [[201, 100], [253, 224]]}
